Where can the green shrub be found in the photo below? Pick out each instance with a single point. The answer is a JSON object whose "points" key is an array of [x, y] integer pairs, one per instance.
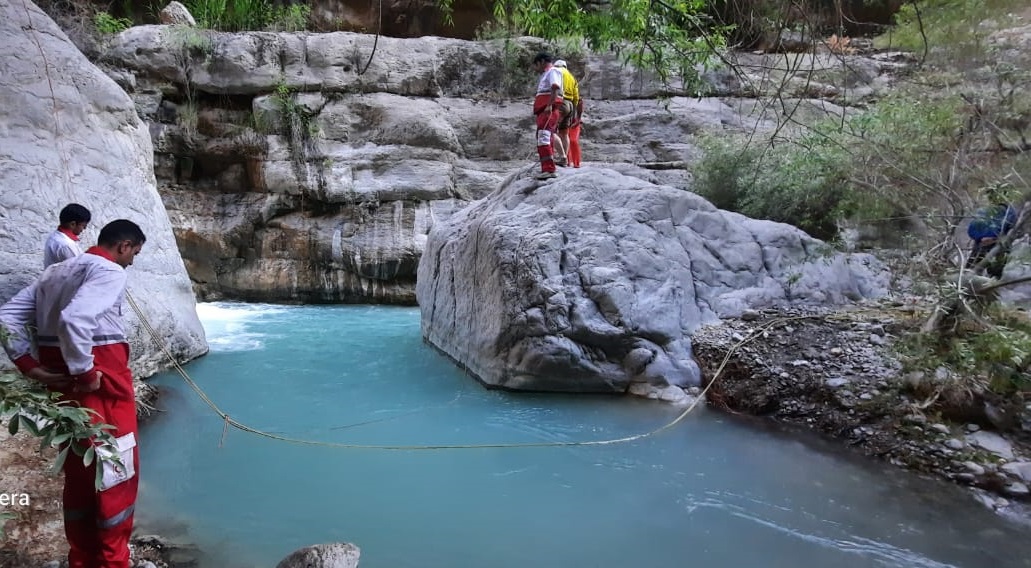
{"points": [[238, 15], [210, 14], [249, 15], [950, 25], [107, 24], [883, 162], [992, 354], [292, 18], [804, 183]]}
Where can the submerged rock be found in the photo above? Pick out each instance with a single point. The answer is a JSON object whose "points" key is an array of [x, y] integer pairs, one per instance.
{"points": [[335, 555], [597, 280]]}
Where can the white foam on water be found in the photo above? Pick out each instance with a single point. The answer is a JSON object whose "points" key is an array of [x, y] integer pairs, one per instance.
{"points": [[226, 325]]}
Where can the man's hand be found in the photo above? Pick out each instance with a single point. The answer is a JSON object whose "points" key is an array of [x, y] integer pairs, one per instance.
{"points": [[50, 379], [92, 386]]}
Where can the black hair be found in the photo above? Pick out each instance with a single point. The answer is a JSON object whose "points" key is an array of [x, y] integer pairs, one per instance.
{"points": [[543, 56], [121, 230], [74, 213]]}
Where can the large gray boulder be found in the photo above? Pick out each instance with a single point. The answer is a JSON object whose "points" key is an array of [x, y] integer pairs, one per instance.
{"points": [[70, 134], [335, 555], [596, 280]]}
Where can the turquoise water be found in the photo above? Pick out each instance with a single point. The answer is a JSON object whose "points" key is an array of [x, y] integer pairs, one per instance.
{"points": [[713, 492]]}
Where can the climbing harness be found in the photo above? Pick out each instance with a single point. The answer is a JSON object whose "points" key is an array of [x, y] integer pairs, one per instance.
{"points": [[228, 421]]}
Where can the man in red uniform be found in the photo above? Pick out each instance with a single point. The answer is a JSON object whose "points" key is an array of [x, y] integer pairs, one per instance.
{"points": [[547, 106], [76, 309]]}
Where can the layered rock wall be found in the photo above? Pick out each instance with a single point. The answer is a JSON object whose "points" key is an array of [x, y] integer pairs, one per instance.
{"points": [[310, 167]]}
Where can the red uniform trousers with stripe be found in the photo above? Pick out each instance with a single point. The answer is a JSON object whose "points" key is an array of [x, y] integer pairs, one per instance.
{"points": [[98, 524], [547, 123]]}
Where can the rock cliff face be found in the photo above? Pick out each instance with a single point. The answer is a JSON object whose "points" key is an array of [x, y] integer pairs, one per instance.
{"points": [[310, 167], [68, 133], [596, 280]]}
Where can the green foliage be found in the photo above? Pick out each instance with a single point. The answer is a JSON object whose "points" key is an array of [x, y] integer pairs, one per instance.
{"points": [[187, 117], [248, 15], [107, 24], [992, 354], [29, 407], [4, 517], [881, 162], [950, 25], [298, 123], [669, 37], [208, 13], [187, 42], [804, 184], [291, 18]]}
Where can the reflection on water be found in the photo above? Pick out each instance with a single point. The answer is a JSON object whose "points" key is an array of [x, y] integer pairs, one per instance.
{"points": [[715, 491]]}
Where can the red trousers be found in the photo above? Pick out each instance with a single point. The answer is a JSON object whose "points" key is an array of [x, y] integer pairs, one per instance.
{"points": [[547, 122], [98, 524], [573, 152]]}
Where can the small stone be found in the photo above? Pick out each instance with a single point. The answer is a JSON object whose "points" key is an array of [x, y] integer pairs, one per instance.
{"points": [[785, 375], [914, 379], [954, 444], [694, 391], [737, 336], [176, 14], [866, 396], [1016, 489], [52, 564], [915, 419], [835, 351], [836, 382], [1020, 470], [992, 442], [1001, 502], [876, 339], [974, 468], [973, 428], [750, 315], [799, 363], [941, 374], [967, 477], [146, 564], [672, 393], [941, 428], [640, 389]]}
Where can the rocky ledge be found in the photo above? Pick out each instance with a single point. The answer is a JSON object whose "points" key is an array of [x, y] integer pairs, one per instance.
{"points": [[835, 370]]}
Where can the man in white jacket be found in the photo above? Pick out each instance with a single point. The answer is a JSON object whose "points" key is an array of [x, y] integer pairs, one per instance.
{"points": [[82, 353], [63, 243]]}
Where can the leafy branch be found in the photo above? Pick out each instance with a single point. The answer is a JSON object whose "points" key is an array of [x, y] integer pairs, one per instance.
{"points": [[671, 38], [28, 406]]}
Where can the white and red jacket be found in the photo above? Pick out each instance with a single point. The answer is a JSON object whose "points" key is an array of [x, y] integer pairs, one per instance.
{"points": [[74, 305], [550, 80], [76, 309], [61, 245]]}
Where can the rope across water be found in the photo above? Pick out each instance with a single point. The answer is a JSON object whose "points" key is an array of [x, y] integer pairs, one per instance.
{"points": [[231, 422]]}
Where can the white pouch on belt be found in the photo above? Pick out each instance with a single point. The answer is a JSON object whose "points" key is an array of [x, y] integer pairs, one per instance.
{"points": [[115, 473]]}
